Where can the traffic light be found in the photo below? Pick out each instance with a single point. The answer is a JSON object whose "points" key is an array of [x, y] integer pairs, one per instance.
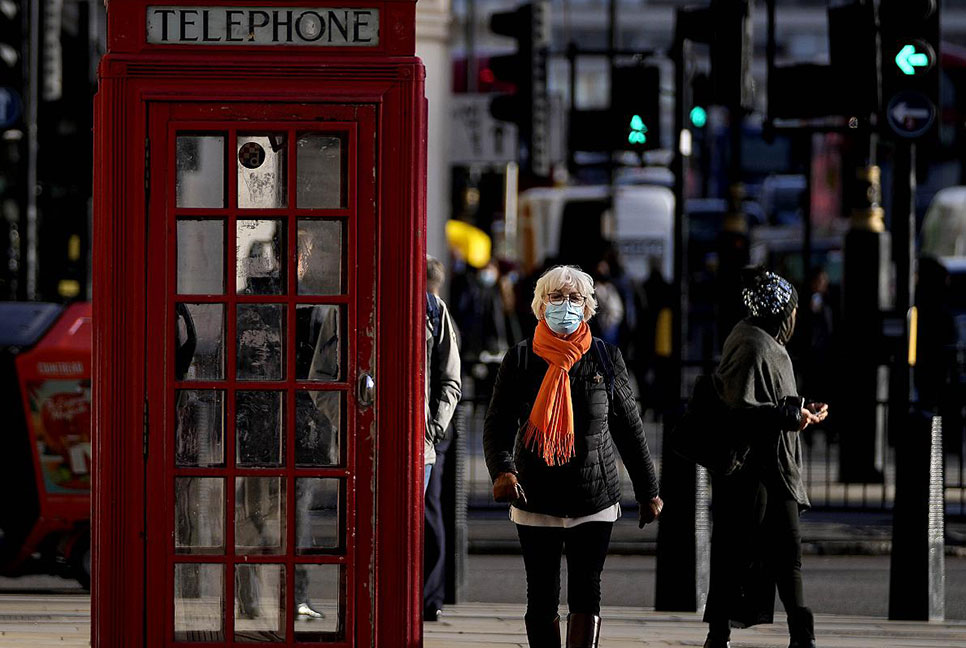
{"points": [[526, 71], [732, 84], [854, 54], [636, 107], [910, 66], [13, 195], [11, 63], [700, 100], [849, 86]]}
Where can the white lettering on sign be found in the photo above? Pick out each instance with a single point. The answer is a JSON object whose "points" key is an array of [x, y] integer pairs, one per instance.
{"points": [[263, 26]]}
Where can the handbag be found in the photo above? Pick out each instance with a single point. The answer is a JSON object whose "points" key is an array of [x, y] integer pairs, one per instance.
{"points": [[709, 433]]}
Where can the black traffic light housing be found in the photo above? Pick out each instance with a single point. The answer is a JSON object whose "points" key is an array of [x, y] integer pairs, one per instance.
{"points": [[732, 84], [848, 87], [635, 107], [526, 70], [910, 66], [11, 62]]}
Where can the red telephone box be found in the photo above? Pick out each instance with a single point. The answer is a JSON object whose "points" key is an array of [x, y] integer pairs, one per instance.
{"points": [[259, 254]]}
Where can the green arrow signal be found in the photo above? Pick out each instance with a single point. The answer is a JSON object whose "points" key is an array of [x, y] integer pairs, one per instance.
{"points": [[908, 59]]}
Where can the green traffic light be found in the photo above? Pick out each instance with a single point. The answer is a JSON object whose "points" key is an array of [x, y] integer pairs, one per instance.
{"points": [[638, 128], [699, 116], [908, 59]]}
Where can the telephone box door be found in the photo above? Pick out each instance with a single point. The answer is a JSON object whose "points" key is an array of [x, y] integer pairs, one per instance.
{"points": [[260, 354]]}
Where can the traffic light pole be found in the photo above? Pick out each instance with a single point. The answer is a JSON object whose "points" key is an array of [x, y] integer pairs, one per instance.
{"points": [[676, 578], [916, 576], [30, 121]]}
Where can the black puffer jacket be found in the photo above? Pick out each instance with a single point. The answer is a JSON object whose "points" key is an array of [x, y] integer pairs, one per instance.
{"points": [[589, 482]]}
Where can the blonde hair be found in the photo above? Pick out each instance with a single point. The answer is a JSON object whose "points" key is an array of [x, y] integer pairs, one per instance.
{"points": [[556, 279]]}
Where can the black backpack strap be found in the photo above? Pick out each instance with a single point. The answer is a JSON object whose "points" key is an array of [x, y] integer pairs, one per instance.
{"points": [[603, 358]]}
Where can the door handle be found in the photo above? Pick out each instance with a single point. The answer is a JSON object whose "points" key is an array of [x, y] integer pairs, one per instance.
{"points": [[366, 392]]}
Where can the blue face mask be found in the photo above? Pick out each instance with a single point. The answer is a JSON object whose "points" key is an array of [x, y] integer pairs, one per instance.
{"points": [[564, 318]]}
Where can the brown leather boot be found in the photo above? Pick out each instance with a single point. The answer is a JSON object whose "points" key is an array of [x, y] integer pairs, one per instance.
{"points": [[542, 633], [583, 630]]}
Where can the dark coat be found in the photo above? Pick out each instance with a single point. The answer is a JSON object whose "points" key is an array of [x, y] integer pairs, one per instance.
{"points": [[589, 482], [754, 377]]}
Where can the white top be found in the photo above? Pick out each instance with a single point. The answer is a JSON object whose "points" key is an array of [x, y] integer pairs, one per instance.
{"points": [[527, 518]]}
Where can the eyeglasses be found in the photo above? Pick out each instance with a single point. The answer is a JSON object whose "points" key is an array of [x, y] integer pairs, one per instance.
{"points": [[576, 299]]}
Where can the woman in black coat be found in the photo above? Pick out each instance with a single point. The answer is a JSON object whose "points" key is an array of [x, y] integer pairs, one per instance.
{"points": [[560, 404], [755, 542]]}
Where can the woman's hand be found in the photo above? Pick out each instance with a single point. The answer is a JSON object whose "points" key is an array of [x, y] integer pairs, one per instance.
{"points": [[650, 511], [809, 418], [818, 409], [507, 488]]}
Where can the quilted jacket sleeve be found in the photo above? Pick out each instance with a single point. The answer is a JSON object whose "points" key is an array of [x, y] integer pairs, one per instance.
{"points": [[500, 425], [627, 430]]}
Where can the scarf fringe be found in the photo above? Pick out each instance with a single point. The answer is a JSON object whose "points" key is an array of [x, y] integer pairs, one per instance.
{"points": [[555, 450]]}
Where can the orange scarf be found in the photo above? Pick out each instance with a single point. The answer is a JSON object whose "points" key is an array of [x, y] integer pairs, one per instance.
{"points": [[549, 431]]}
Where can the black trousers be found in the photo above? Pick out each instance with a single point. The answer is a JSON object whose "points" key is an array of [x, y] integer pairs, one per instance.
{"points": [[586, 550], [755, 522], [434, 554]]}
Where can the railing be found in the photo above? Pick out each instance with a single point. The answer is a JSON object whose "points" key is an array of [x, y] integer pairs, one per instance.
{"points": [[821, 458]]}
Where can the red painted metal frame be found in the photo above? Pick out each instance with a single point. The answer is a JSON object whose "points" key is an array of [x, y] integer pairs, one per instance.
{"points": [[135, 78], [360, 271]]}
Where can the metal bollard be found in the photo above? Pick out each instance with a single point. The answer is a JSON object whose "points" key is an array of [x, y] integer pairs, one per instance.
{"points": [[702, 536], [917, 573], [937, 526], [454, 508]]}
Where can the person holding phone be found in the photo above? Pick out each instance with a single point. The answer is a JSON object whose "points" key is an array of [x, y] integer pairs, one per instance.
{"points": [[755, 541], [562, 407]]}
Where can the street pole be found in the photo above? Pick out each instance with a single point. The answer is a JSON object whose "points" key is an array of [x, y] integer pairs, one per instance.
{"points": [[33, 97], [676, 571]]}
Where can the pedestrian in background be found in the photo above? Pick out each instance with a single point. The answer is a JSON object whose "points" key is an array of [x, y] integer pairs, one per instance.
{"points": [[755, 542], [443, 390], [561, 403]]}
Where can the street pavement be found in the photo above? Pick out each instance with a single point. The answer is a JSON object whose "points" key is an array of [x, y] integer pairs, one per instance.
{"points": [[35, 620], [849, 593], [501, 626], [852, 585]]}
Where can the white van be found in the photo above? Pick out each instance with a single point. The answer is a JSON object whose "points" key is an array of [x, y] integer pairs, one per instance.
{"points": [[566, 220]]}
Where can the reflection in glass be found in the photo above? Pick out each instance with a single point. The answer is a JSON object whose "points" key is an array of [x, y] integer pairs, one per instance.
{"points": [[200, 342], [259, 250], [259, 515], [319, 257], [318, 343], [319, 176], [199, 602], [258, 427], [317, 521], [261, 171], [319, 589], [318, 421], [200, 168], [260, 349], [198, 428], [201, 257], [259, 603], [199, 517]]}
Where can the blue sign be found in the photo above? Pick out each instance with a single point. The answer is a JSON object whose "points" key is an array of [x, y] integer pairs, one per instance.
{"points": [[10, 107]]}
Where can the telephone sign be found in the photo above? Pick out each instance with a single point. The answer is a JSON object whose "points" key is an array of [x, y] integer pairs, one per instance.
{"points": [[263, 26]]}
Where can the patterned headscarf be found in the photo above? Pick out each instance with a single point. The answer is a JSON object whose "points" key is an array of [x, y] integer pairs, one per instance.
{"points": [[770, 301]]}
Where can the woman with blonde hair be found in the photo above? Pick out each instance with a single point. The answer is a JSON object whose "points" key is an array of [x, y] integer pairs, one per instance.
{"points": [[561, 403]]}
